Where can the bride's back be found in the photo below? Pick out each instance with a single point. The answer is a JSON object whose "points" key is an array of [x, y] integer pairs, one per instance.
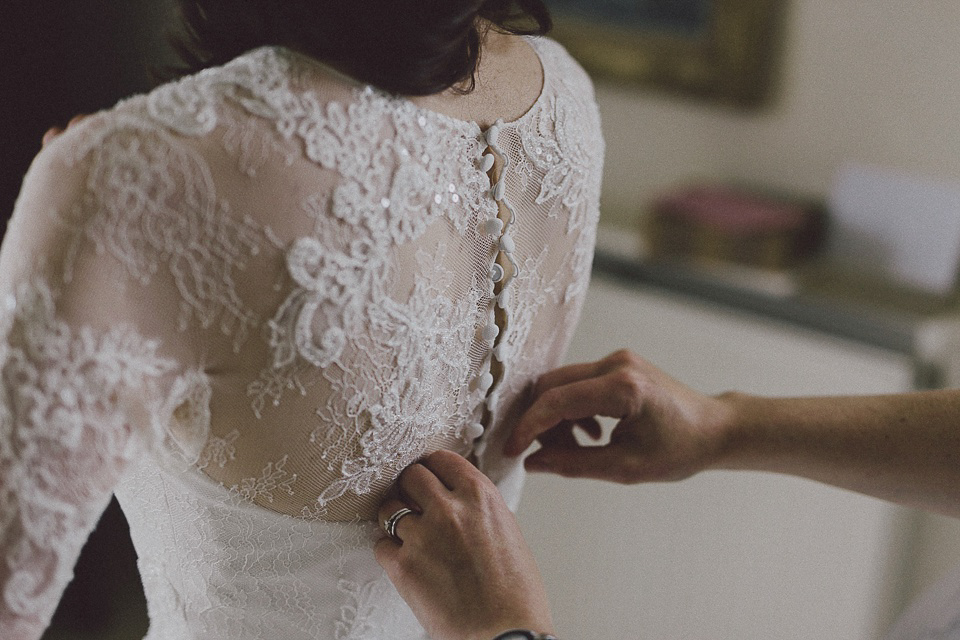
{"points": [[356, 342], [272, 288]]}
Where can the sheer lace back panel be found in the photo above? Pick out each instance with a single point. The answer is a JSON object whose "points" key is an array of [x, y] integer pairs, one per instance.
{"points": [[370, 290], [261, 292]]}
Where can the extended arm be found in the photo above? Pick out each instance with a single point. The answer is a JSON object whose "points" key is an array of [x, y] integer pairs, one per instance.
{"points": [[904, 448]]}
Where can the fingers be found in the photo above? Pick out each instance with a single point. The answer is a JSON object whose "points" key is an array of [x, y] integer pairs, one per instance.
{"points": [[591, 426], [599, 463], [387, 552], [453, 470], [420, 486], [561, 376], [51, 133], [613, 394], [566, 375], [388, 509], [560, 436]]}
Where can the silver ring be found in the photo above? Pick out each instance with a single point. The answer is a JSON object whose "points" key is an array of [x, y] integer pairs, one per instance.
{"points": [[390, 524]]}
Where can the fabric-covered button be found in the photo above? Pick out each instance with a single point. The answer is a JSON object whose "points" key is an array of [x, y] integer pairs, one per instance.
{"points": [[474, 430], [503, 299], [507, 244], [499, 190], [485, 381], [493, 133], [496, 273], [487, 162], [490, 332], [501, 351]]}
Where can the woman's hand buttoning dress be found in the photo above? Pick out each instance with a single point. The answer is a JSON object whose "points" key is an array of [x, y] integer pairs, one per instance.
{"points": [[246, 301]]}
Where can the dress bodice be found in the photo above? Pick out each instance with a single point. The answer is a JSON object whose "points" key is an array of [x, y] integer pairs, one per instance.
{"points": [[246, 301]]}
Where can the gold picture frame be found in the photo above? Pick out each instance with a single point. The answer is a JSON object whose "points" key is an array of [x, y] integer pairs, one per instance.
{"points": [[729, 60]]}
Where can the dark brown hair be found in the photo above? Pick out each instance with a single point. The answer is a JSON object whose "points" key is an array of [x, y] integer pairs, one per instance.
{"points": [[410, 47]]}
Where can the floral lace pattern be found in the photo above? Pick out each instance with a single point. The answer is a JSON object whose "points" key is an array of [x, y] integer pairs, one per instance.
{"points": [[64, 441], [245, 302], [139, 182]]}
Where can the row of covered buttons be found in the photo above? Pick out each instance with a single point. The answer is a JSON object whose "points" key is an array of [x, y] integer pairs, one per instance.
{"points": [[499, 229]]}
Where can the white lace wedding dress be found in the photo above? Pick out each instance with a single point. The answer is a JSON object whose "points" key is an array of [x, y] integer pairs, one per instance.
{"points": [[245, 302]]}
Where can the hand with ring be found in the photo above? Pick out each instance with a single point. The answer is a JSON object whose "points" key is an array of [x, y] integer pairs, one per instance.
{"points": [[456, 554]]}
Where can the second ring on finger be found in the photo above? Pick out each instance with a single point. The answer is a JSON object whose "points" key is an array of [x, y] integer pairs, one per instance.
{"points": [[394, 514]]}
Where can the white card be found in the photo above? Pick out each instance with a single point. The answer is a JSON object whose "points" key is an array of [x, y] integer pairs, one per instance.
{"points": [[893, 224]]}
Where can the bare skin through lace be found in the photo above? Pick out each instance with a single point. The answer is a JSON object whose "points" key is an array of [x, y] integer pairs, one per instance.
{"points": [[246, 301]]}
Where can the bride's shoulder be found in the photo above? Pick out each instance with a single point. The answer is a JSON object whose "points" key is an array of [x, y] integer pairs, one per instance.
{"points": [[276, 85], [120, 163], [264, 85], [172, 126], [260, 83], [558, 62]]}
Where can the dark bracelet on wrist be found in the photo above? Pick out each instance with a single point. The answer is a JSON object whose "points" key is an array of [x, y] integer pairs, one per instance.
{"points": [[524, 634]]}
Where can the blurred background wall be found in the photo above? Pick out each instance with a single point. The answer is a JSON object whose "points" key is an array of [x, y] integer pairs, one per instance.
{"points": [[871, 82], [59, 58]]}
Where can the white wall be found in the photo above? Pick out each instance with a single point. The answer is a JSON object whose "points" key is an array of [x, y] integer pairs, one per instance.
{"points": [[874, 82]]}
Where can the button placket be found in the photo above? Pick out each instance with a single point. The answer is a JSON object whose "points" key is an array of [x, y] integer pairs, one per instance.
{"points": [[498, 274]]}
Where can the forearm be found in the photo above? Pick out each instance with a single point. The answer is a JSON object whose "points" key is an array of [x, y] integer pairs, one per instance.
{"points": [[904, 448]]}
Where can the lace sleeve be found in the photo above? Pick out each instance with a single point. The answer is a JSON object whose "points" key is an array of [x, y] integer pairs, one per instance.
{"points": [[80, 396]]}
